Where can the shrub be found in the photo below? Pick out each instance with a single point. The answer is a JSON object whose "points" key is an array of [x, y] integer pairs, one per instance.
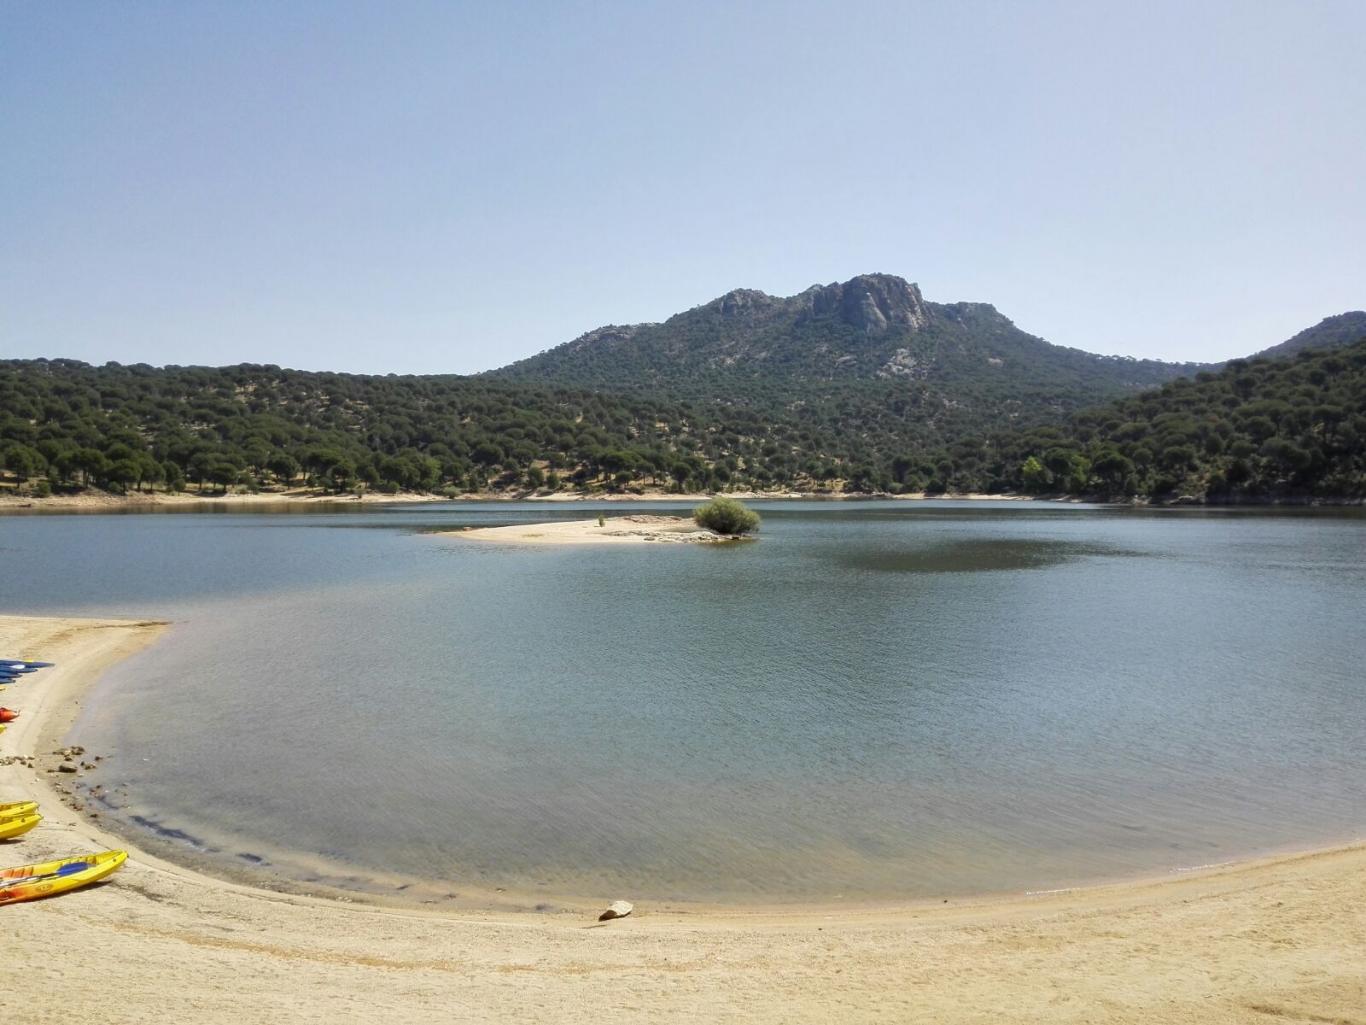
{"points": [[726, 516]]}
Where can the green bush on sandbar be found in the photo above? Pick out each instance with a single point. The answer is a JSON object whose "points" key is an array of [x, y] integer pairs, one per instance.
{"points": [[726, 516]]}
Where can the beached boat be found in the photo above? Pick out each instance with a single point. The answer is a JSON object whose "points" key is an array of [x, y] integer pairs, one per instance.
{"points": [[8, 715], [48, 878], [15, 809], [10, 828]]}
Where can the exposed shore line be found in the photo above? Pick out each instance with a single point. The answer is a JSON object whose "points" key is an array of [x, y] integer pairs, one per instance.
{"points": [[92, 501], [102, 501], [1276, 937]]}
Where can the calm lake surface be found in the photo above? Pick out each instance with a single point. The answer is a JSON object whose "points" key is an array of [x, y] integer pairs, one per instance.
{"points": [[875, 700]]}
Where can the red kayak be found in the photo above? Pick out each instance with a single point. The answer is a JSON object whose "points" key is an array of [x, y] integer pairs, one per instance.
{"points": [[8, 715]]}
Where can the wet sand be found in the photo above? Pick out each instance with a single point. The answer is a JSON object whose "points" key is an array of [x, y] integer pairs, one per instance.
{"points": [[1277, 940]]}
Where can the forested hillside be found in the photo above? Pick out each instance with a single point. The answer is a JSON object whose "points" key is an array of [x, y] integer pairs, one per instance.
{"points": [[1257, 430], [1329, 333], [122, 427], [66, 424], [872, 340], [1266, 428]]}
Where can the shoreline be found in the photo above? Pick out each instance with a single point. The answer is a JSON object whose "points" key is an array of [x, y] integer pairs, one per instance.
{"points": [[1270, 936], [91, 502]]}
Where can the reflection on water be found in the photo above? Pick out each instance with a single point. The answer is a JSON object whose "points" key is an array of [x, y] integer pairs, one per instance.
{"points": [[874, 700], [981, 555]]}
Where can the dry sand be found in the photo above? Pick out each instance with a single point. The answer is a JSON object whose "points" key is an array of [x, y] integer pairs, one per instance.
{"points": [[1280, 940], [616, 530]]}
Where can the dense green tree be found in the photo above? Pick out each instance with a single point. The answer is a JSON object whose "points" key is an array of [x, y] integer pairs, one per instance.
{"points": [[22, 461]]}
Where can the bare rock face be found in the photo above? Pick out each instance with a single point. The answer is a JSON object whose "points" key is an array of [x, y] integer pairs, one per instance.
{"points": [[873, 303], [617, 909]]}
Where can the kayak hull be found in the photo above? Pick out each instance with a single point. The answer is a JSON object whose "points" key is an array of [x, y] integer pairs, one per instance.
{"points": [[17, 809], [10, 828], [49, 878]]}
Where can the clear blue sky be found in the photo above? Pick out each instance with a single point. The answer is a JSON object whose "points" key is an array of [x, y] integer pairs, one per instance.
{"points": [[437, 187]]}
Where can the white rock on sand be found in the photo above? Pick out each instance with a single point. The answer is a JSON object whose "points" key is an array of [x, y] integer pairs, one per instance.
{"points": [[617, 909]]}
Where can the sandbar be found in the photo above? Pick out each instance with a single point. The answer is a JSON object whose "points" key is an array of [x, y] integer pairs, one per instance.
{"points": [[612, 530], [1274, 940]]}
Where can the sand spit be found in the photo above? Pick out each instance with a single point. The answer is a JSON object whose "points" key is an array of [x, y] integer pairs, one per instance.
{"points": [[1280, 940], [640, 529]]}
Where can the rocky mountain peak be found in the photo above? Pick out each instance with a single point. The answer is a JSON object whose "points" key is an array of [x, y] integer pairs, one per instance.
{"points": [[744, 300], [873, 303]]}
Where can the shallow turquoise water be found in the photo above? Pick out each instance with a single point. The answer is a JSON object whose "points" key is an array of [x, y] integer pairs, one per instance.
{"points": [[875, 700]]}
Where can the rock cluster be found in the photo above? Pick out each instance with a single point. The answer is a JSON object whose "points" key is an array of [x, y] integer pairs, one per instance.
{"points": [[72, 760]]}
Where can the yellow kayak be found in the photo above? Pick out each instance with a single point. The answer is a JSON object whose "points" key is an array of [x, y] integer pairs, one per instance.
{"points": [[29, 882], [15, 809], [10, 828]]}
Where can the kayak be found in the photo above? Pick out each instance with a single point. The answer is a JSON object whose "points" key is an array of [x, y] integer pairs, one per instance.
{"points": [[8, 715], [15, 809], [21, 663], [28, 882], [10, 828]]}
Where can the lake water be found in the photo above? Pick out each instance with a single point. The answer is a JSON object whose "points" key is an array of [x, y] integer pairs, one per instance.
{"points": [[875, 700]]}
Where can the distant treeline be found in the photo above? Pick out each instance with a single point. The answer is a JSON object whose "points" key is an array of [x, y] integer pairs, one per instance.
{"points": [[1261, 428], [66, 424]]}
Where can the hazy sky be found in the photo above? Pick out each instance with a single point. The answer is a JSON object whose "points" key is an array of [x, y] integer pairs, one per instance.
{"points": [[436, 187]]}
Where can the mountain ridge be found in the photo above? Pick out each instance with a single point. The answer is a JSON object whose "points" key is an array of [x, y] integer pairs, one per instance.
{"points": [[871, 327], [1335, 332]]}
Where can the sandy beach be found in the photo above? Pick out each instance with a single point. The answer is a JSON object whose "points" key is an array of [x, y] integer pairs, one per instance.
{"points": [[1275, 940], [613, 530]]}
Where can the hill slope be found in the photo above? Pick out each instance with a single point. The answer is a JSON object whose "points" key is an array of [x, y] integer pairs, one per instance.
{"points": [[1329, 333], [874, 337], [1261, 429]]}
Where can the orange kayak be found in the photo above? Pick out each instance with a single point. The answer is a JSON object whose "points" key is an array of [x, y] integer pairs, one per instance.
{"points": [[8, 715]]}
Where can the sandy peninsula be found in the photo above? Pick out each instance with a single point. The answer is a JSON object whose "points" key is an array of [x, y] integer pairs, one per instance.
{"points": [[1279, 940], [612, 530]]}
